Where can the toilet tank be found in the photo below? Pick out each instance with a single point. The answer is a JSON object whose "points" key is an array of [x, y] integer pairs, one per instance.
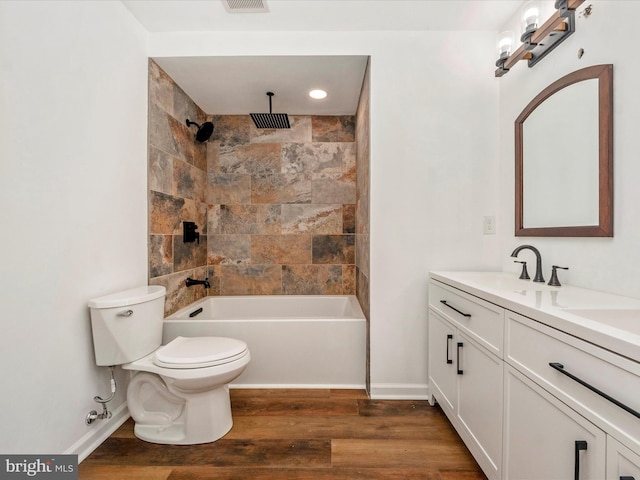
{"points": [[127, 325]]}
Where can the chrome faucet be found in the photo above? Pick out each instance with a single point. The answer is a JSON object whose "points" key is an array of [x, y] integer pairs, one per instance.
{"points": [[190, 282], [538, 276]]}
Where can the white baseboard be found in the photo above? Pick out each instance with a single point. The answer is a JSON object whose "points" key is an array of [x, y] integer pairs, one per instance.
{"points": [[297, 385], [93, 438], [399, 391]]}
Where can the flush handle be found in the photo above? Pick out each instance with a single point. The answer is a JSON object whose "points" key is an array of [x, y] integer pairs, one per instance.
{"points": [[125, 313]]}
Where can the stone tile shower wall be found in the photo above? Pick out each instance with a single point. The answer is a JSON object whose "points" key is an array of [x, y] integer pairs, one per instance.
{"points": [[281, 216], [276, 209], [177, 182]]}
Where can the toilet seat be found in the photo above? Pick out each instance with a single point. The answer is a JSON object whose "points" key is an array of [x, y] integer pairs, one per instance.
{"points": [[199, 352]]}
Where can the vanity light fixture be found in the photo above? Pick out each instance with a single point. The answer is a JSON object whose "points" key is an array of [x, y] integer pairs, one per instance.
{"points": [[537, 42], [318, 94]]}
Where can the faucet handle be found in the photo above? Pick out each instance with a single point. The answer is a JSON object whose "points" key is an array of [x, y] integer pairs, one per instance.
{"points": [[554, 282], [524, 275]]}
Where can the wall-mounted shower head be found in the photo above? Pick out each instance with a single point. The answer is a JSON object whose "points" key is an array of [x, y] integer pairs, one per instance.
{"points": [[270, 120], [204, 131]]}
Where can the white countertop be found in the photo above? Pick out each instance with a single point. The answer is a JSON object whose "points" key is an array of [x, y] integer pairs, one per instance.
{"points": [[607, 320]]}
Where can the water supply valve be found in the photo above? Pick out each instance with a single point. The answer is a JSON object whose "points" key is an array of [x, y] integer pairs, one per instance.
{"points": [[92, 416]]}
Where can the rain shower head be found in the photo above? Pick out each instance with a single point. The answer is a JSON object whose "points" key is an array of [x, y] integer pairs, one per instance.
{"points": [[270, 120], [204, 131]]}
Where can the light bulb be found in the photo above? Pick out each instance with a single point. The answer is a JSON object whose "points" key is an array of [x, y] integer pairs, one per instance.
{"points": [[505, 44], [530, 14], [318, 94]]}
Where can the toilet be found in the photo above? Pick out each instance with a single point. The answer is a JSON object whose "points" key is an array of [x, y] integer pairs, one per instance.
{"points": [[179, 392]]}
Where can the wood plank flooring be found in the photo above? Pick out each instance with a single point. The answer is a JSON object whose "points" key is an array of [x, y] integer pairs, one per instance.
{"points": [[303, 435]]}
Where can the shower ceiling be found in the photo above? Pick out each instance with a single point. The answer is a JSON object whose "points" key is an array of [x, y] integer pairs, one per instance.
{"points": [[238, 85]]}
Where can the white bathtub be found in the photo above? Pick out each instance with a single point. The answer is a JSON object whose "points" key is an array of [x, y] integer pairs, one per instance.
{"points": [[296, 341]]}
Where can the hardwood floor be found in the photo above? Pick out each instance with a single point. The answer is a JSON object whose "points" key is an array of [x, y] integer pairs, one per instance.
{"points": [[301, 434]]}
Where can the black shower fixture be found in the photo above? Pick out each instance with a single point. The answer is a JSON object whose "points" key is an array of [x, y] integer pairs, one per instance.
{"points": [[204, 131], [270, 120]]}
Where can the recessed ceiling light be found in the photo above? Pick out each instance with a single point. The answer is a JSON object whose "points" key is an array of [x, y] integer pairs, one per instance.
{"points": [[318, 94]]}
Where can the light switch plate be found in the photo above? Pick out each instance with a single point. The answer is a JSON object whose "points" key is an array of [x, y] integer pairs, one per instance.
{"points": [[489, 225]]}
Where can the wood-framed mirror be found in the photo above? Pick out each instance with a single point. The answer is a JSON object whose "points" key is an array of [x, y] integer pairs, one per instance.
{"points": [[564, 158]]}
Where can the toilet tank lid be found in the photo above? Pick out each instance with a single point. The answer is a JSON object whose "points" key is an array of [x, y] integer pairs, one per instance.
{"points": [[131, 296]]}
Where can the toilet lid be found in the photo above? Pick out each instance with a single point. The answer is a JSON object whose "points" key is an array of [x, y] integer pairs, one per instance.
{"points": [[199, 352]]}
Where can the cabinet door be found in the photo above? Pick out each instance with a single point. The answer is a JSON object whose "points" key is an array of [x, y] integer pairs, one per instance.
{"points": [[545, 439], [480, 400], [442, 362], [622, 463]]}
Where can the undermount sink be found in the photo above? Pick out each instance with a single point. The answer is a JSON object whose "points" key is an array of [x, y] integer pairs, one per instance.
{"points": [[628, 320]]}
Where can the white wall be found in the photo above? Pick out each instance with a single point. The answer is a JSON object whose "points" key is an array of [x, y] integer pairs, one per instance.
{"points": [[73, 108], [434, 164], [608, 264], [73, 172]]}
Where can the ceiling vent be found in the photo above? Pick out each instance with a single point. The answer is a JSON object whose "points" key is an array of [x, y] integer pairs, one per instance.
{"points": [[245, 6]]}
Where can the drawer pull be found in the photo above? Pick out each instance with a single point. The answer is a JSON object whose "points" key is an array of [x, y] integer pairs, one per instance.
{"points": [[627, 477], [460, 345], [559, 367], [454, 308], [449, 337], [580, 445]]}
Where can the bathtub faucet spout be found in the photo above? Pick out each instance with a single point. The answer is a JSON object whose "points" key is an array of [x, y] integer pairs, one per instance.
{"points": [[190, 282]]}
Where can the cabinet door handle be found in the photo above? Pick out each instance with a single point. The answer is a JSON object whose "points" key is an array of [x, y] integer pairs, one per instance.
{"points": [[559, 367], [455, 309], [449, 337], [460, 345], [580, 445]]}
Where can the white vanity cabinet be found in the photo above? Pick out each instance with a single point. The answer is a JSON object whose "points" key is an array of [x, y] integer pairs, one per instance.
{"points": [[465, 370], [565, 400]]}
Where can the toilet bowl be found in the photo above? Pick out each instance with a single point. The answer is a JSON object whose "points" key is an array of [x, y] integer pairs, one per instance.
{"points": [[178, 393]]}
